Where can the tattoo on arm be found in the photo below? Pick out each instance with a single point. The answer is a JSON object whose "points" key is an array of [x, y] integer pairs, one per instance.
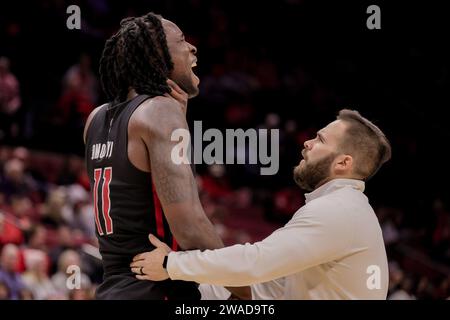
{"points": [[169, 191], [174, 182]]}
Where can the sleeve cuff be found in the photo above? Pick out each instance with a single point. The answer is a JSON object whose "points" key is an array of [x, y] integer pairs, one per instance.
{"points": [[170, 264]]}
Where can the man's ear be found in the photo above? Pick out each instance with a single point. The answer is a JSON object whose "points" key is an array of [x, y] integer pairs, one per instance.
{"points": [[343, 164]]}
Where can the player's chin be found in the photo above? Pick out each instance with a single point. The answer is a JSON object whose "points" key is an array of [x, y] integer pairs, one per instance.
{"points": [[194, 87], [193, 93]]}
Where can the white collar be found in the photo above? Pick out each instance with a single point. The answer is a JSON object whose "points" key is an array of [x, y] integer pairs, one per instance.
{"points": [[333, 185]]}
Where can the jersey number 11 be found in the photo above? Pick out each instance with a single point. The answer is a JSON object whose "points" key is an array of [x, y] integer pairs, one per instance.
{"points": [[103, 202]]}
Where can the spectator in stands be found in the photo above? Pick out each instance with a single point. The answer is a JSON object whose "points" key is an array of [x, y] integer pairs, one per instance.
{"points": [[81, 203], [404, 292], [9, 260], [61, 240], [55, 209], [36, 237], [15, 180], [36, 277], [81, 79], [9, 232], [4, 291], [78, 99], [23, 209], [59, 279]]}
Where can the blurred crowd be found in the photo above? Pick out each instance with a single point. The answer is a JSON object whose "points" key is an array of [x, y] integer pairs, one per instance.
{"points": [[45, 227], [46, 219]]}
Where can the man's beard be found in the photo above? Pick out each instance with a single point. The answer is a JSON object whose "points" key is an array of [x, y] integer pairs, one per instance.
{"points": [[311, 175]]}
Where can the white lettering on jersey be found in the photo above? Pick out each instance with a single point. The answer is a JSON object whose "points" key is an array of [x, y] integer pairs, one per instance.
{"points": [[102, 151]]}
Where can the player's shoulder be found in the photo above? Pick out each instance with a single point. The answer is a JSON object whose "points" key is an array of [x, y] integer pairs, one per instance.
{"points": [[94, 112], [90, 117], [160, 106], [159, 113]]}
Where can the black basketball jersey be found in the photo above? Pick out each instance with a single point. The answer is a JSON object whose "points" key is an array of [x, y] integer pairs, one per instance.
{"points": [[126, 206]]}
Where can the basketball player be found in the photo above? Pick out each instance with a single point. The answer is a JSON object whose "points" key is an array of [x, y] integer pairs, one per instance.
{"points": [[332, 248], [136, 187]]}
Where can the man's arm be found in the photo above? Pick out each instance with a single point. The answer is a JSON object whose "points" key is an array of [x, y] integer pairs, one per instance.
{"points": [[311, 238], [175, 183]]}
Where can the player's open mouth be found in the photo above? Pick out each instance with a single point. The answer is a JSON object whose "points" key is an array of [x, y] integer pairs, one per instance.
{"points": [[193, 65], [303, 154]]}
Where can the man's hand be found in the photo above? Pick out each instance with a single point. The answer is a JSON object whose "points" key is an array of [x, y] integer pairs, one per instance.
{"points": [[178, 94], [149, 265]]}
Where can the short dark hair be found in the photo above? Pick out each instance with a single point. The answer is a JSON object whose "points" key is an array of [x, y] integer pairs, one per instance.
{"points": [[365, 142], [136, 57]]}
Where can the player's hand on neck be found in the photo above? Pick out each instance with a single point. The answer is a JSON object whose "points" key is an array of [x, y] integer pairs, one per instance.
{"points": [[178, 94]]}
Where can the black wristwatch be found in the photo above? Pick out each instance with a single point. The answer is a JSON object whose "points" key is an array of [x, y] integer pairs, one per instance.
{"points": [[165, 262]]}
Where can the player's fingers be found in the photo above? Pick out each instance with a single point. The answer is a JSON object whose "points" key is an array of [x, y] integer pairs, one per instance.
{"points": [[175, 87], [175, 95], [176, 92]]}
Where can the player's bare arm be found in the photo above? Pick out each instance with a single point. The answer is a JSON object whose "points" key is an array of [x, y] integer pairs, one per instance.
{"points": [[175, 183]]}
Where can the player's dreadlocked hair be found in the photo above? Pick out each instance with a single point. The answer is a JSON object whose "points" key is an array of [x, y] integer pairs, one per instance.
{"points": [[136, 56]]}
